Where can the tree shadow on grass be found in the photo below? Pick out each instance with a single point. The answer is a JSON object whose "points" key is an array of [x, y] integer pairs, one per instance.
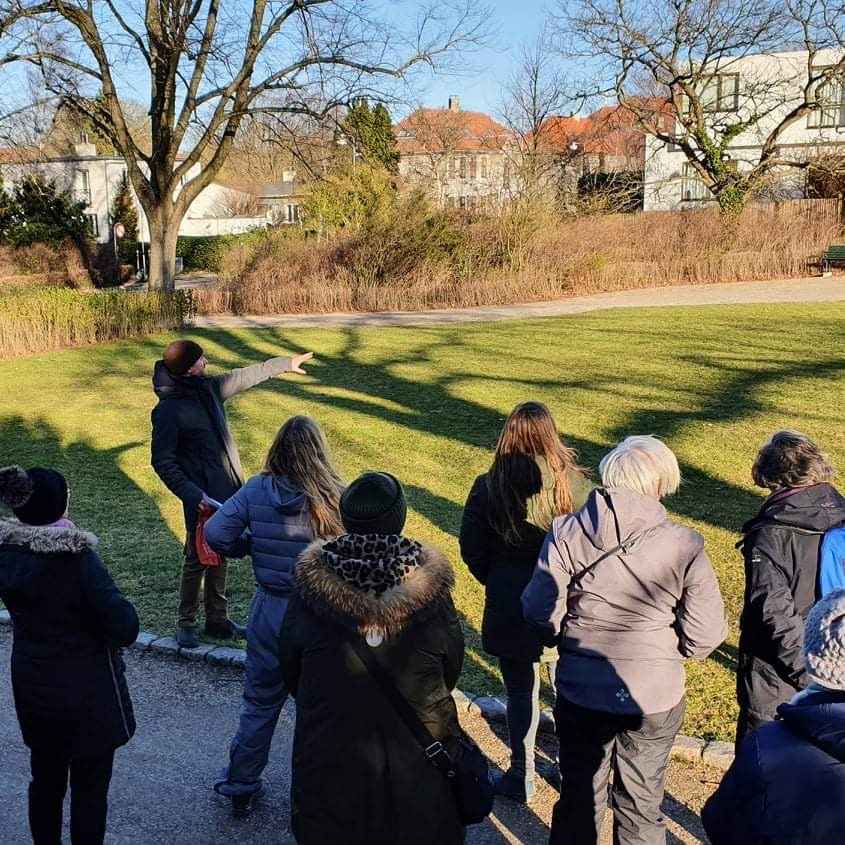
{"points": [[144, 562]]}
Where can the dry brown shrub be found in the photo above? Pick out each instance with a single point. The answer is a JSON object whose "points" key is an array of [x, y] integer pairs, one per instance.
{"points": [[43, 265], [518, 259]]}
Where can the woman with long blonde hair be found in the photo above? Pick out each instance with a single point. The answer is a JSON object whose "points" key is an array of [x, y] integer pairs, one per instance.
{"points": [[272, 518], [534, 477]]}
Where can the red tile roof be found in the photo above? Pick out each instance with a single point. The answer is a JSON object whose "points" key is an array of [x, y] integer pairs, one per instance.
{"points": [[434, 130]]}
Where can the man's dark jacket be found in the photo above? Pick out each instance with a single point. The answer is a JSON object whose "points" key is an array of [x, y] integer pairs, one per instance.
{"points": [[787, 785], [359, 775], [781, 551], [192, 449], [70, 623]]}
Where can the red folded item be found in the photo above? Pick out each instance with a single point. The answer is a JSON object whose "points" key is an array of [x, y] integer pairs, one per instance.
{"points": [[205, 554]]}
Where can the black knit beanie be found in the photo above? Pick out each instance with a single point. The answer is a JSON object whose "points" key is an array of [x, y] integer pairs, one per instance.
{"points": [[181, 355], [36, 496], [373, 504]]}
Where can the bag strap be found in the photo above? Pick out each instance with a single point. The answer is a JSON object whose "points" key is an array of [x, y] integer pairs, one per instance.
{"points": [[624, 545], [432, 748]]}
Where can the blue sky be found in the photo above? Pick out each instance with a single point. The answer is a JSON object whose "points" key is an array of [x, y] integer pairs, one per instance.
{"points": [[516, 22]]}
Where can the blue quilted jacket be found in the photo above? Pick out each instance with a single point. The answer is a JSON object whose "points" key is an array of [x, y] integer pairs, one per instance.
{"points": [[269, 519]]}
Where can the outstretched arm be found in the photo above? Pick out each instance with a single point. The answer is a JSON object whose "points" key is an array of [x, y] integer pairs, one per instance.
{"points": [[236, 381]]}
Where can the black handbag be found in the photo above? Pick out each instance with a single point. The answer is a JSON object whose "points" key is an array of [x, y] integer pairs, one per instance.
{"points": [[466, 771]]}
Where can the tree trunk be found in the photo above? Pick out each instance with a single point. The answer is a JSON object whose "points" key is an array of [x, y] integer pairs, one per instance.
{"points": [[164, 229]]}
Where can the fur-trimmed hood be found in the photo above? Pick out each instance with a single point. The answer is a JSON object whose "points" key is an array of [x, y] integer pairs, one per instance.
{"points": [[46, 539], [326, 592]]}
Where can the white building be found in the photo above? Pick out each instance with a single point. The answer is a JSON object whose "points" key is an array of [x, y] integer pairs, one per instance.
{"points": [[768, 85], [94, 179]]}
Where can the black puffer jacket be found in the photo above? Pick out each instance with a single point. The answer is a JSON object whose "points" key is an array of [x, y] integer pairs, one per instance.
{"points": [[192, 449], [505, 570], [781, 551], [70, 621], [359, 776]]}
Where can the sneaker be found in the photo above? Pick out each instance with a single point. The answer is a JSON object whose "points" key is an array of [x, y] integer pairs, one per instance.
{"points": [[516, 787], [186, 636], [243, 805], [226, 630]]}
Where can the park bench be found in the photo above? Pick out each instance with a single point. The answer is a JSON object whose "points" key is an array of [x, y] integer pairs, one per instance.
{"points": [[835, 253]]}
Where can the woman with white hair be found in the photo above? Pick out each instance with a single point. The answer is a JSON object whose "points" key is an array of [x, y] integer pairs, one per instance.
{"points": [[627, 595]]}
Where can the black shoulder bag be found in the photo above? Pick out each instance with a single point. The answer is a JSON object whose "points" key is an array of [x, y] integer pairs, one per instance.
{"points": [[467, 774]]}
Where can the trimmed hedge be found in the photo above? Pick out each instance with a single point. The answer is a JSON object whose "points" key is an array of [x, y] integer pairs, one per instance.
{"points": [[206, 252], [38, 319]]}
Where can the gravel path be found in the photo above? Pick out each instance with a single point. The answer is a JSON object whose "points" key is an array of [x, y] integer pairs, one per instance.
{"points": [[161, 791], [814, 289]]}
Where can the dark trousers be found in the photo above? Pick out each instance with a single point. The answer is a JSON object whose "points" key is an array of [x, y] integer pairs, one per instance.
{"points": [[637, 748], [211, 580], [89, 788]]}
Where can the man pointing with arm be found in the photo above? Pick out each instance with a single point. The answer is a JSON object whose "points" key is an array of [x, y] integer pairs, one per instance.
{"points": [[195, 456]]}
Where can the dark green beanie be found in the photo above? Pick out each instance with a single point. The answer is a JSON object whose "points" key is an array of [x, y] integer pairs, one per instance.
{"points": [[373, 504]]}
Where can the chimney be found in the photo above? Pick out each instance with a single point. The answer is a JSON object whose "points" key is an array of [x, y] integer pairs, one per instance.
{"points": [[454, 103], [84, 147]]}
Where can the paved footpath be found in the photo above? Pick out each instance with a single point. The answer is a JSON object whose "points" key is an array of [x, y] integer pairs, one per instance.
{"points": [[812, 289], [186, 713]]}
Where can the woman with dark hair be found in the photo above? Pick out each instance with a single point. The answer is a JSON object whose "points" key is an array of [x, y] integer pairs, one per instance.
{"points": [[372, 609], [781, 547], [534, 478], [68, 678], [273, 518]]}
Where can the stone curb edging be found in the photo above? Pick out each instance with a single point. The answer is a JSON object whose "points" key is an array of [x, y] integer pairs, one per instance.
{"points": [[719, 755]]}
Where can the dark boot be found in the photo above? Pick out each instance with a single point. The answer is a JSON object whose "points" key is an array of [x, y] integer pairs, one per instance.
{"points": [[243, 805], [186, 636], [226, 630]]}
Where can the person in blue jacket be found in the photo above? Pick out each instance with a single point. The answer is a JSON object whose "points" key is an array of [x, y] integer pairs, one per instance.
{"points": [[787, 784], [273, 518]]}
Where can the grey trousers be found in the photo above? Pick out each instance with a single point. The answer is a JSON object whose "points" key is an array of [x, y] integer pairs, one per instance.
{"points": [[637, 748], [264, 696]]}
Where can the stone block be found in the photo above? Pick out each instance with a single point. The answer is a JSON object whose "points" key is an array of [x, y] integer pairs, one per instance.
{"points": [[199, 653], [222, 656], [165, 645], [462, 701], [688, 748], [144, 641], [5, 617], [720, 755], [489, 707], [239, 659]]}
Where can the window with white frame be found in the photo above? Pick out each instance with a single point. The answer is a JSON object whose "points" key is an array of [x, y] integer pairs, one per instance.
{"points": [[93, 224], [83, 186], [720, 93], [291, 213], [830, 96], [482, 167], [693, 188]]}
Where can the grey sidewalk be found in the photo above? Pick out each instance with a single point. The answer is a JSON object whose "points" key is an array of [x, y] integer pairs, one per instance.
{"points": [[812, 289], [186, 712]]}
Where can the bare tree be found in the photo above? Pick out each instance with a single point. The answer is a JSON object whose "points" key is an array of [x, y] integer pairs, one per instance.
{"points": [[234, 203], [695, 74], [537, 101], [210, 64]]}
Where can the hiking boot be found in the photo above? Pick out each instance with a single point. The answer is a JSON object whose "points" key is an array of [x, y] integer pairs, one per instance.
{"points": [[511, 785], [186, 636], [226, 630], [242, 805]]}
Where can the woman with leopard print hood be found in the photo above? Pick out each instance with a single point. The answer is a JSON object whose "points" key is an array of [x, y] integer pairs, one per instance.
{"points": [[359, 775]]}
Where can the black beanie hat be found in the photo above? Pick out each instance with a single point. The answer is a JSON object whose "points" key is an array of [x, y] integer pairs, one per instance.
{"points": [[373, 504], [36, 496], [181, 355]]}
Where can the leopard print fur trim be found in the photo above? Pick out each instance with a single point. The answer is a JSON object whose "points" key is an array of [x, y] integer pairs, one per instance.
{"points": [[374, 563], [376, 607]]}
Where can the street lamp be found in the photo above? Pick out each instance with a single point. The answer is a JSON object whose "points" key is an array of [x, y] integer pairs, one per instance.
{"points": [[342, 140]]}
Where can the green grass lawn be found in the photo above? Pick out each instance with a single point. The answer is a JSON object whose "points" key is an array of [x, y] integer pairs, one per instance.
{"points": [[427, 404]]}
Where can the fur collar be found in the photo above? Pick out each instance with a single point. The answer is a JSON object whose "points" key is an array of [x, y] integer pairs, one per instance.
{"points": [[327, 593], [46, 539]]}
